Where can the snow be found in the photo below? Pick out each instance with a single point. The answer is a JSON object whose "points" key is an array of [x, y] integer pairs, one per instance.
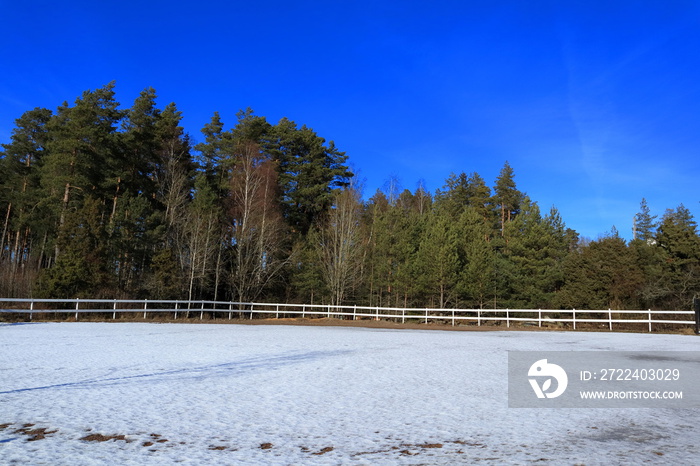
{"points": [[217, 394]]}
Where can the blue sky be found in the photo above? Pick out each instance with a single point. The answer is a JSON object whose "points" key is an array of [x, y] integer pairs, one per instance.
{"points": [[594, 104]]}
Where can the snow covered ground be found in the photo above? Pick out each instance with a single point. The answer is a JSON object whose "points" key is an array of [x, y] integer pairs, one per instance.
{"points": [[139, 393]]}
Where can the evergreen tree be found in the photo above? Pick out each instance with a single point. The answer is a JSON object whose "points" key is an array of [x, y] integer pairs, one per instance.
{"points": [[212, 154], [678, 237], [22, 206], [454, 196], [81, 268], [601, 275], [309, 172], [536, 251], [507, 198], [173, 166], [141, 144], [476, 279], [82, 152], [644, 225], [479, 196], [395, 233], [438, 261]]}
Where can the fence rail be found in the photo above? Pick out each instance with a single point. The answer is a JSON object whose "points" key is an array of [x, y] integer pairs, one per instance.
{"points": [[223, 309]]}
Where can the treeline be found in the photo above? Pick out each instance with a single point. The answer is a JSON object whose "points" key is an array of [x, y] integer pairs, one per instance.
{"points": [[97, 201]]}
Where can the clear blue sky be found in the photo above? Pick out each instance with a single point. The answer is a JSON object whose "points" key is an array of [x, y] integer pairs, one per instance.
{"points": [[595, 104]]}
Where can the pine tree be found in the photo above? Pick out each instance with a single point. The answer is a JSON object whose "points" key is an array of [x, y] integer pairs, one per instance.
{"points": [[309, 172], [22, 206], [438, 261], [82, 152], [536, 250], [507, 198], [81, 268], [476, 279], [601, 275], [644, 225], [479, 196], [677, 235], [454, 196]]}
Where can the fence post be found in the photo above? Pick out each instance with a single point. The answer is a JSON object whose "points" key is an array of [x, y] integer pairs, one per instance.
{"points": [[76, 308], [539, 317], [354, 312], [177, 303], [649, 320], [696, 307], [277, 311], [328, 311], [251, 310], [478, 317], [201, 312], [403, 315], [114, 309], [610, 319], [145, 306], [573, 317], [31, 308], [507, 318], [453, 317]]}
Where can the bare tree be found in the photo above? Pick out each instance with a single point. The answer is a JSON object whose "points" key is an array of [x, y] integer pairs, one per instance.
{"points": [[257, 227], [202, 232], [340, 246]]}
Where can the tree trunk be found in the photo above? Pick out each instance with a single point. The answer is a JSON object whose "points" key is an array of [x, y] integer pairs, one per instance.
{"points": [[4, 230]]}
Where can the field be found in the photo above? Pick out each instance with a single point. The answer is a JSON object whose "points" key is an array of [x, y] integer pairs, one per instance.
{"points": [[147, 393]]}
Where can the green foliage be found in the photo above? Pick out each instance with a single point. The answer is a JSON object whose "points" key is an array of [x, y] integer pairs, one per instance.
{"points": [[101, 201], [507, 198], [438, 261], [81, 267], [644, 223], [476, 280], [309, 172], [602, 275], [678, 238]]}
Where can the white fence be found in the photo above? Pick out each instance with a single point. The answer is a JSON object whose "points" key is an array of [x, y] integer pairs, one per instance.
{"points": [[227, 309]]}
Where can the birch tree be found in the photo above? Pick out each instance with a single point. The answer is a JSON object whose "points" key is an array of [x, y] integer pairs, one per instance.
{"points": [[257, 227], [340, 246]]}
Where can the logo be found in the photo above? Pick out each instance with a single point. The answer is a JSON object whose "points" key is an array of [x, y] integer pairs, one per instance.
{"points": [[547, 371]]}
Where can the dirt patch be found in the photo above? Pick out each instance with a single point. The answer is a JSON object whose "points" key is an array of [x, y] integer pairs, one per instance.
{"points": [[323, 451], [266, 446], [34, 434], [473, 444], [157, 438], [104, 438]]}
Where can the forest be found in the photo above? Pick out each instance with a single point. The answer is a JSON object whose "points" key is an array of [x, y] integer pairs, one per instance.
{"points": [[98, 201]]}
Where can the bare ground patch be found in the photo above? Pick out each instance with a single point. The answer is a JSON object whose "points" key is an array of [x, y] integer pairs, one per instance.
{"points": [[104, 438]]}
